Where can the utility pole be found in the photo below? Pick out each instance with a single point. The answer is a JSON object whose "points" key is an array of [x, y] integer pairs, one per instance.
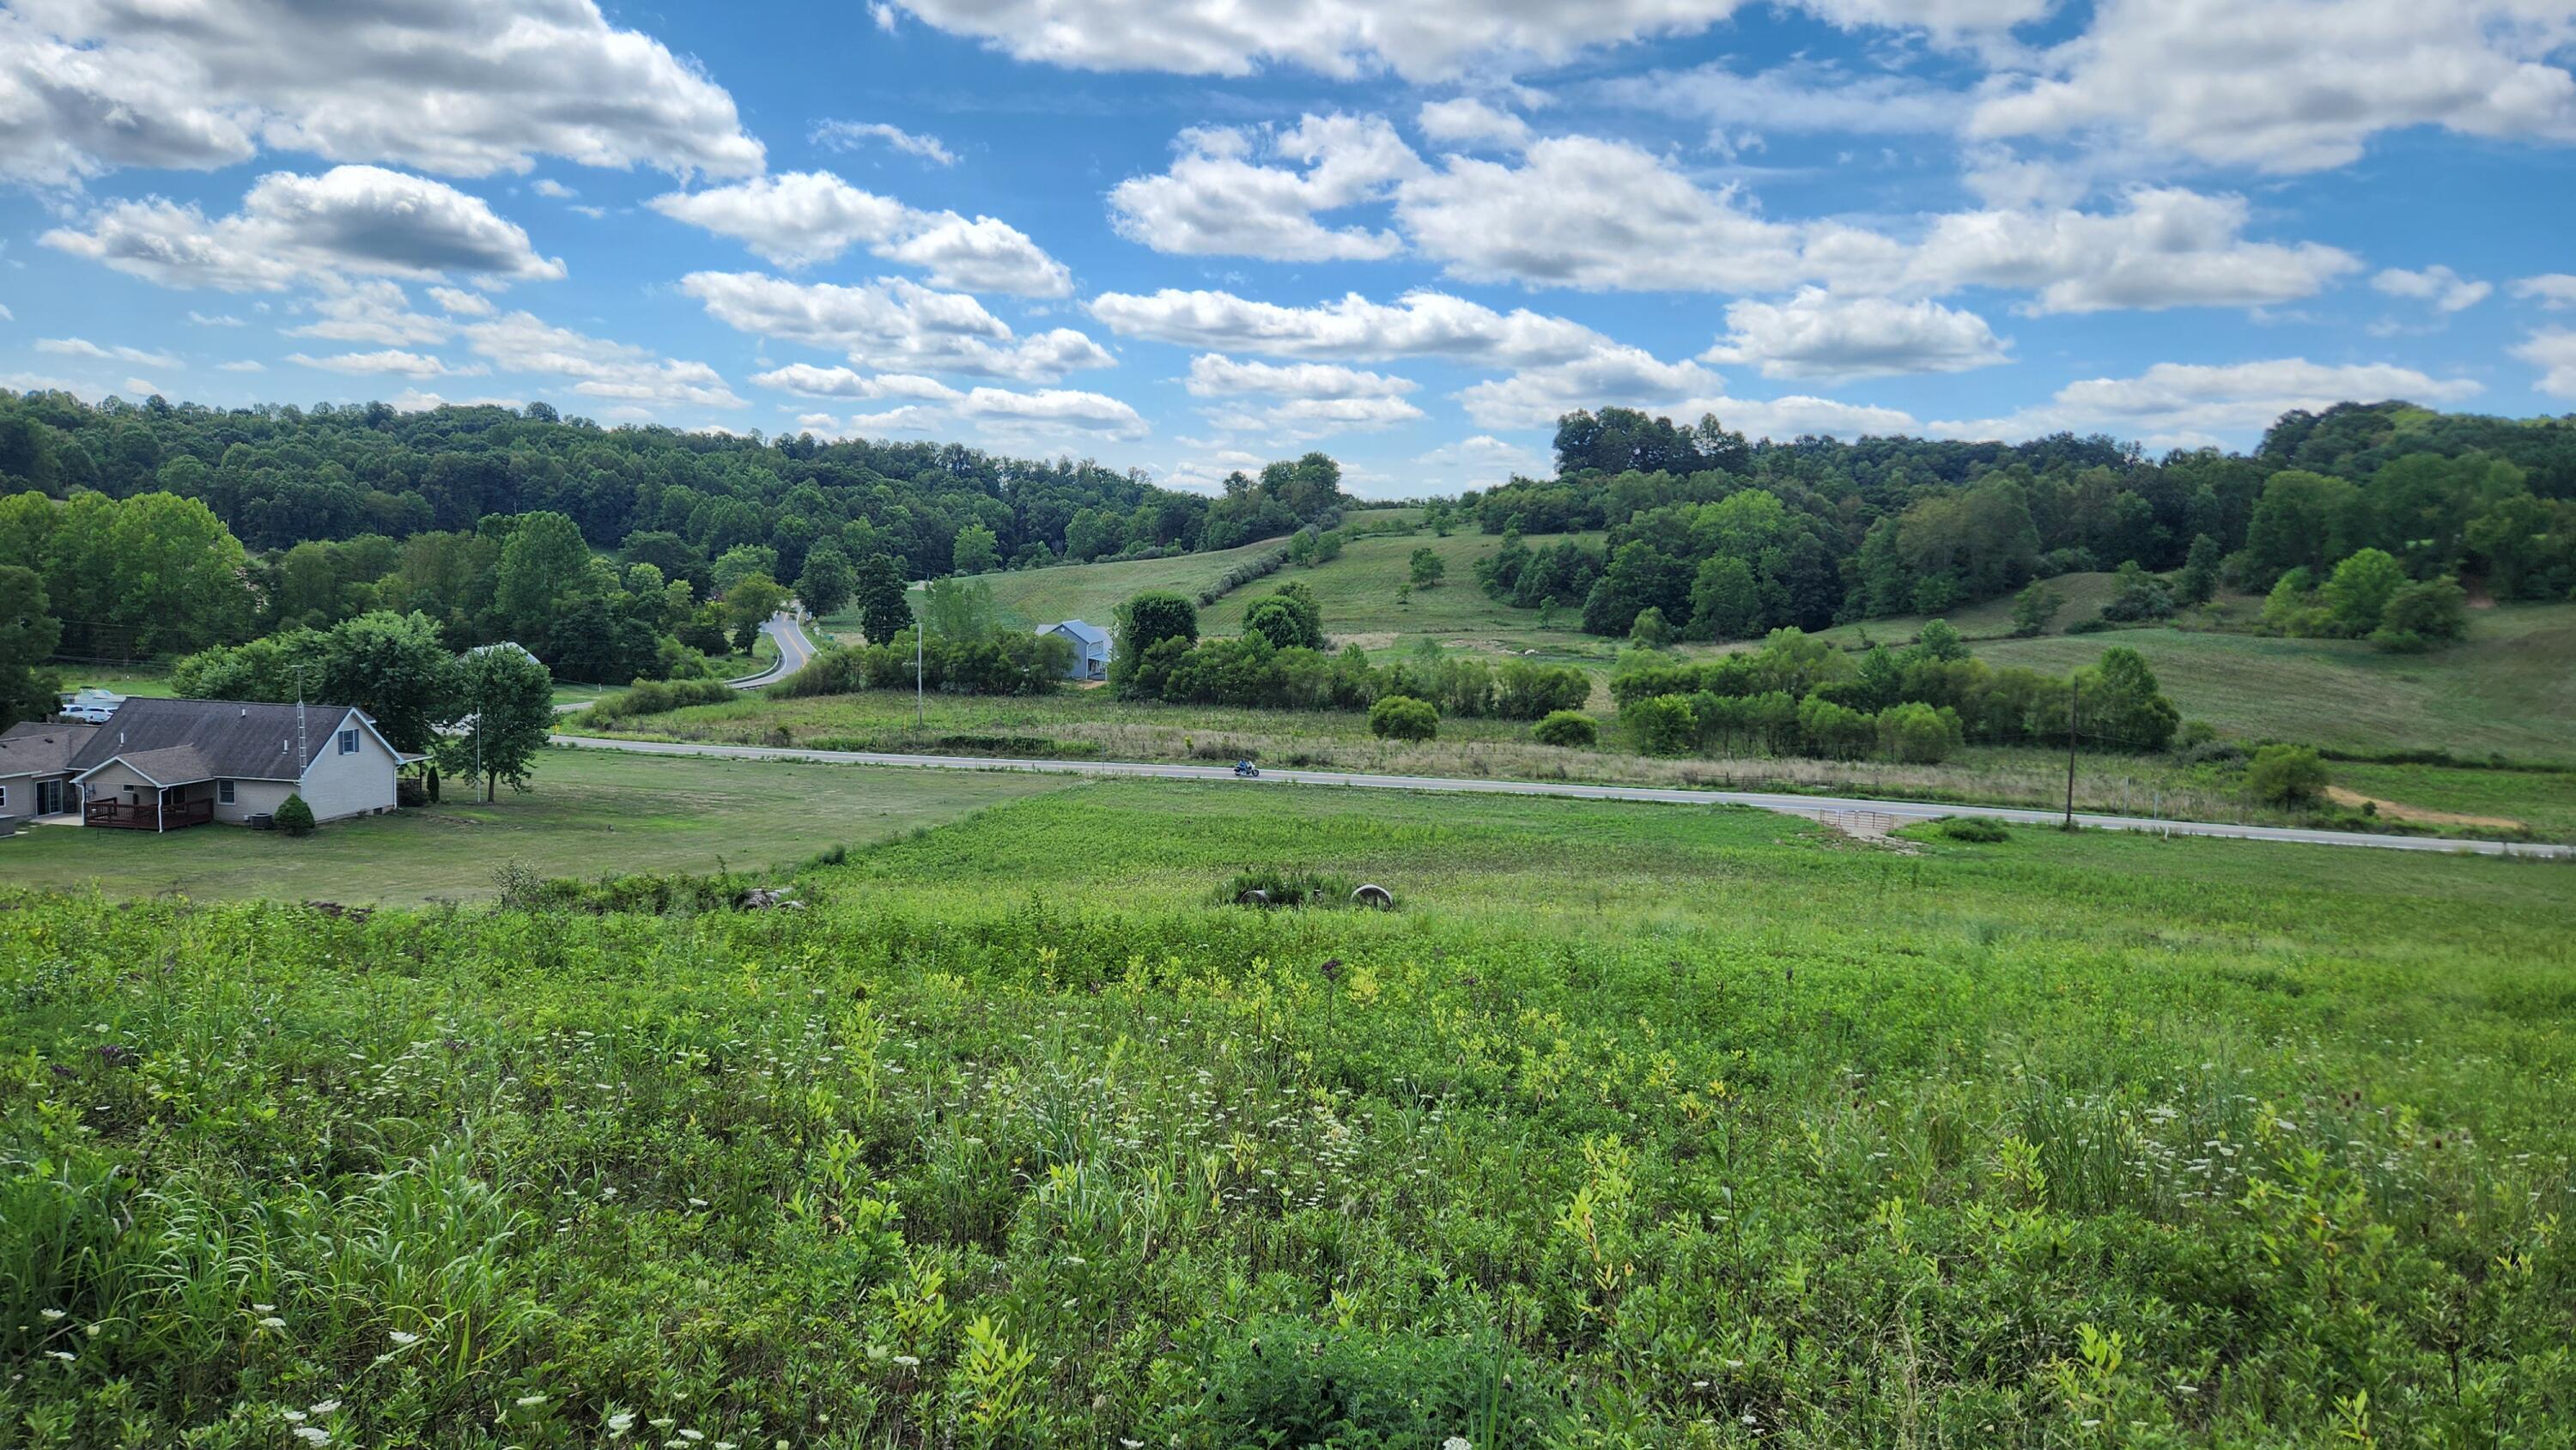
{"points": [[920, 627], [2074, 698]]}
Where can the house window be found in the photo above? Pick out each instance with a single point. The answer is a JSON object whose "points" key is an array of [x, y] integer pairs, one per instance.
{"points": [[4, 797], [223, 792], [348, 742]]}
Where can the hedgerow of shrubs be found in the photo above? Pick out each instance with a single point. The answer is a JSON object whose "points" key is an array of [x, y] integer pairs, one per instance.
{"points": [[659, 697], [1798, 695], [1270, 665], [1009, 663]]}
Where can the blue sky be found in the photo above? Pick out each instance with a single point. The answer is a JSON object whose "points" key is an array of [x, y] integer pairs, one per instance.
{"points": [[1181, 236]]}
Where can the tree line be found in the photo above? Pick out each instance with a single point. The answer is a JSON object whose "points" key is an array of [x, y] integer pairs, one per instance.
{"points": [[1799, 695], [1729, 540], [1278, 661], [278, 475]]}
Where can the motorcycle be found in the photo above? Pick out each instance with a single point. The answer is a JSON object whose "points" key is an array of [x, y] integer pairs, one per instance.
{"points": [[1246, 770]]}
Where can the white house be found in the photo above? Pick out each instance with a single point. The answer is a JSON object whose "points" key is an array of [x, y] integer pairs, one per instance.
{"points": [[159, 765]]}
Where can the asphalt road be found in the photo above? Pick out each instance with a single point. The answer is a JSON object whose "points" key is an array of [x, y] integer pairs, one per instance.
{"points": [[794, 649], [1902, 812]]}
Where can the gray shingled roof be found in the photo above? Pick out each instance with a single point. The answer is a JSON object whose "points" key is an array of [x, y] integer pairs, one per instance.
{"points": [[173, 765], [231, 739], [1079, 629], [36, 748]]}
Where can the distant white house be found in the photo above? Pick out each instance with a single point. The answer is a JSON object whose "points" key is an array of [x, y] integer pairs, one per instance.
{"points": [[1091, 649]]}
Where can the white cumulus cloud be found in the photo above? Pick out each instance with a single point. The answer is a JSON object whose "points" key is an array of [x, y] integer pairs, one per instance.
{"points": [[1426, 39], [806, 217], [2447, 290], [2553, 351], [850, 135], [1818, 335], [2294, 85], [892, 323], [2552, 290], [463, 88], [2197, 404], [388, 360], [350, 219], [596, 367], [1236, 192]]}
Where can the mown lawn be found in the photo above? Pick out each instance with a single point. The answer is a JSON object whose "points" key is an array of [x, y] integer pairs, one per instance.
{"points": [[1630, 1126], [592, 813]]}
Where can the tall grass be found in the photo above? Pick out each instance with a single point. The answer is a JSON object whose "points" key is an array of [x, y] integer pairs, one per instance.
{"points": [[1638, 1127]]}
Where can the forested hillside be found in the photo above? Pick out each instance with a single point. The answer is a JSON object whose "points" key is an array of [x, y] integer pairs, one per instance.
{"points": [[280, 475], [1729, 540], [138, 530]]}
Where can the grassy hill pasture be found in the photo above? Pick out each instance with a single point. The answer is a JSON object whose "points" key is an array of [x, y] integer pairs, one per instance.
{"points": [[2083, 596], [1358, 593], [1629, 1127], [2509, 689], [1034, 597]]}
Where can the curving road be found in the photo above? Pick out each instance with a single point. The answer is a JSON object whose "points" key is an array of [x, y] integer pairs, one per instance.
{"points": [[784, 631], [1903, 812], [794, 649]]}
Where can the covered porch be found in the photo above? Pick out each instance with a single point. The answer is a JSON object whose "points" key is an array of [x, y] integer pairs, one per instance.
{"points": [[169, 808]]}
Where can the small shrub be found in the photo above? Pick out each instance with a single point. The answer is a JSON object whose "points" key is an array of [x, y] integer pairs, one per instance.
{"points": [[1401, 717], [2286, 775], [1662, 724], [1975, 828], [294, 817], [2094, 625], [2211, 752], [1569, 728], [1286, 1382]]}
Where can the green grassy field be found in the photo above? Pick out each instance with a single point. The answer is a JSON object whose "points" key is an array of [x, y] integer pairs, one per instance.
{"points": [[592, 813], [1034, 597], [122, 680], [1357, 591], [1630, 1127], [2083, 596], [2509, 689], [1092, 724]]}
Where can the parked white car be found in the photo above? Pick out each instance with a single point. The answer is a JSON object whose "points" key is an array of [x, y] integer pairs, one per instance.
{"points": [[92, 706]]}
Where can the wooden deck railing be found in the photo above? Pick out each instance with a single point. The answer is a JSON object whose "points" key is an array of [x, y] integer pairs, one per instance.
{"points": [[146, 816]]}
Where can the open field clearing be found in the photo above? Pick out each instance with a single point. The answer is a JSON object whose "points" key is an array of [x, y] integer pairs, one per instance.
{"points": [[592, 813], [1630, 1126]]}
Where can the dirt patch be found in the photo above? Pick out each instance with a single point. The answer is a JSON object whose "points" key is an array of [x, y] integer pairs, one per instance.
{"points": [[2355, 800], [1868, 827]]}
